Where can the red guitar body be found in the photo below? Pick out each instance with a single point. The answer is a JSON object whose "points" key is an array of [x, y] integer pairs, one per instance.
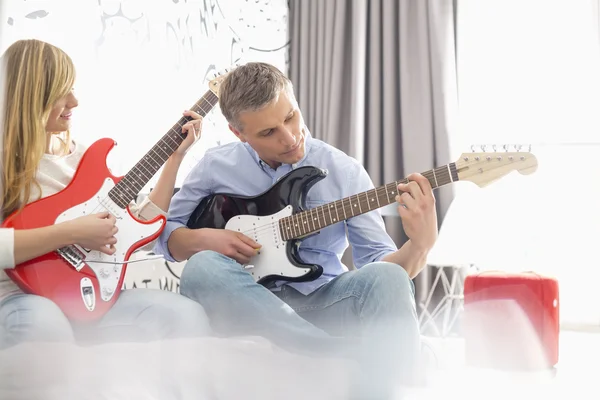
{"points": [[83, 283]]}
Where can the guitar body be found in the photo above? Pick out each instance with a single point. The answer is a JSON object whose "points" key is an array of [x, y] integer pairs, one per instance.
{"points": [[257, 218], [83, 283]]}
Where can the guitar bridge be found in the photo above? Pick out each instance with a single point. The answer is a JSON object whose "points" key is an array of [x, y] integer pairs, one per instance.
{"points": [[73, 256]]}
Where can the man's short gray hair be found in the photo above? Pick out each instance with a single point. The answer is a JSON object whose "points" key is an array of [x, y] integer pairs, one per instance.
{"points": [[250, 87]]}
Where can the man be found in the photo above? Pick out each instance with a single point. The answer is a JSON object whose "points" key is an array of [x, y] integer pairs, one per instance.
{"points": [[374, 304]]}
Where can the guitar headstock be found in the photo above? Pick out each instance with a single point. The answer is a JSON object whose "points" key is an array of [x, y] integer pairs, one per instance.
{"points": [[215, 84], [484, 167]]}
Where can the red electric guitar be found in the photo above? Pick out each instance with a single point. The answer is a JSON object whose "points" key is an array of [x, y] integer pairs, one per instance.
{"points": [[85, 283]]}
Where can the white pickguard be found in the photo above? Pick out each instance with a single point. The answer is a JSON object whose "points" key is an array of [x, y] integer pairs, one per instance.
{"points": [[108, 268], [272, 258]]}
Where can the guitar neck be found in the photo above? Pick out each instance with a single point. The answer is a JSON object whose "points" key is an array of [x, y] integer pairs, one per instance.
{"points": [[313, 220], [141, 173]]}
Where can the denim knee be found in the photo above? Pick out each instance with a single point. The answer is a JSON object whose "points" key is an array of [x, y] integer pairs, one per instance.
{"points": [[207, 270], [33, 318], [389, 285], [388, 276]]}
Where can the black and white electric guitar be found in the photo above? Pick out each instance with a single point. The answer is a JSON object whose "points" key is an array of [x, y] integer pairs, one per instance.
{"points": [[279, 220]]}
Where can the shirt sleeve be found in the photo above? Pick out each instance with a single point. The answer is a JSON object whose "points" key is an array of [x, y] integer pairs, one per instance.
{"points": [[366, 232], [195, 187], [7, 248]]}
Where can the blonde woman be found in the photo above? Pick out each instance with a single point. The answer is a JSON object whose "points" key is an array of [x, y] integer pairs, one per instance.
{"points": [[39, 159]]}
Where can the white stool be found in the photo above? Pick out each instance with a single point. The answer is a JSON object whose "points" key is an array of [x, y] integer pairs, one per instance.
{"points": [[442, 319]]}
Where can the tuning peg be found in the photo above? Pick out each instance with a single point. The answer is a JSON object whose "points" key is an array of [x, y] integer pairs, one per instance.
{"points": [[472, 148], [483, 146], [494, 147]]}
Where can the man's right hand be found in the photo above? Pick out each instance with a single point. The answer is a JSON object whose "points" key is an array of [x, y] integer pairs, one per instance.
{"points": [[94, 231], [232, 244]]}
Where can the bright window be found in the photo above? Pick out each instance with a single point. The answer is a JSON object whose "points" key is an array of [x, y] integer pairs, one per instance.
{"points": [[529, 73]]}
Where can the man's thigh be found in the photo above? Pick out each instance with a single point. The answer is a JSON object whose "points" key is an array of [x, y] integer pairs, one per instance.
{"points": [[334, 307], [376, 295]]}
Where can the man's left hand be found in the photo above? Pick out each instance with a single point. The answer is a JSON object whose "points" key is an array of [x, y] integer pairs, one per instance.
{"points": [[417, 211]]}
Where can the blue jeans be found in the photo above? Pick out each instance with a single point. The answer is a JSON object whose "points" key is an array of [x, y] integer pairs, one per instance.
{"points": [[137, 315], [368, 315]]}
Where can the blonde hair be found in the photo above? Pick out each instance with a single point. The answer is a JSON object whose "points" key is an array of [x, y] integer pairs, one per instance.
{"points": [[38, 74], [250, 87]]}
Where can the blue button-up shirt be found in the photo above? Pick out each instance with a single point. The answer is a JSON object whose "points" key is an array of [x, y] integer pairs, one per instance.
{"points": [[237, 168]]}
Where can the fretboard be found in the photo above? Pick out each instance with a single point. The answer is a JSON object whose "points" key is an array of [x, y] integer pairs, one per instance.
{"points": [[315, 219], [141, 173]]}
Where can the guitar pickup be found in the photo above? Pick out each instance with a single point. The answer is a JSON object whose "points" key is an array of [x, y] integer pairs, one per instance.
{"points": [[73, 256]]}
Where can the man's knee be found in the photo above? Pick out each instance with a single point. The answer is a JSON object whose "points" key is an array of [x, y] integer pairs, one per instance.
{"points": [[388, 276], [35, 318], [207, 271], [389, 285]]}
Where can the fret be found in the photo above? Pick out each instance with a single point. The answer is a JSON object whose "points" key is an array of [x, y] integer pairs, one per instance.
{"points": [[288, 231], [454, 172], [302, 223], [294, 226], [316, 218], [377, 197], [435, 179], [310, 214], [165, 147], [336, 211], [282, 223], [136, 168], [299, 222], [281, 231], [344, 210], [172, 141], [358, 202], [324, 220], [290, 227], [367, 200]]}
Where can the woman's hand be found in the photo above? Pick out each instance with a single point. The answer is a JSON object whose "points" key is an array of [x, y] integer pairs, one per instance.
{"points": [[192, 129], [95, 232]]}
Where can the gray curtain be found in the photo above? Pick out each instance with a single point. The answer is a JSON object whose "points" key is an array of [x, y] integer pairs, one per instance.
{"points": [[377, 79]]}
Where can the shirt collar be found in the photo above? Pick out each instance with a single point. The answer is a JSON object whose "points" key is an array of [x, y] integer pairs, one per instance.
{"points": [[263, 165]]}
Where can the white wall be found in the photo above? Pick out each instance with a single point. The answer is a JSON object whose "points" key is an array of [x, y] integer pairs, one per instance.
{"points": [[528, 74], [140, 63]]}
